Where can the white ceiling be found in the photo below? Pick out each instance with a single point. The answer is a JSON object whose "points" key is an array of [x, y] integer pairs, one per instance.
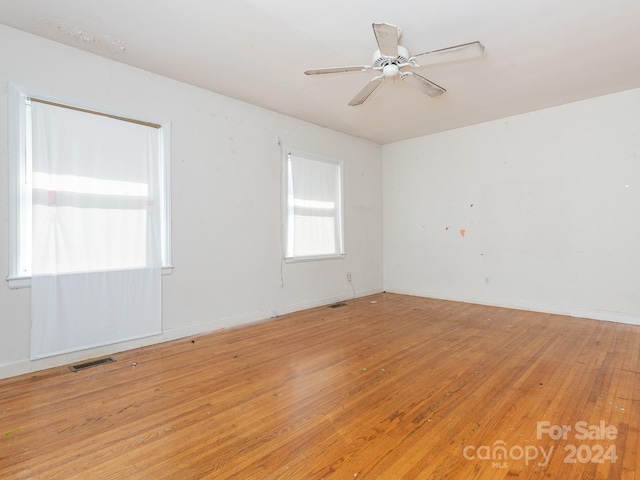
{"points": [[539, 53]]}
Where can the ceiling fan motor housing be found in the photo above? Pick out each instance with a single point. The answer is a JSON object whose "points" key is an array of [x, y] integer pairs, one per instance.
{"points": [[380, 60]]}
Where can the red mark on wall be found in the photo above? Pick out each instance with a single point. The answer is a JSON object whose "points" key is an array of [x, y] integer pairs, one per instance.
{"points": [[446, 228], [462, 232]]}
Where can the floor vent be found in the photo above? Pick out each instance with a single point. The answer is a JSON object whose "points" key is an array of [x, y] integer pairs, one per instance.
{"points": [[93, 363], [338, 305]]}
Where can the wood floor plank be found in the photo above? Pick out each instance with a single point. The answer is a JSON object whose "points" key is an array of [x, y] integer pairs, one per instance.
{"points": [[386, 387]]}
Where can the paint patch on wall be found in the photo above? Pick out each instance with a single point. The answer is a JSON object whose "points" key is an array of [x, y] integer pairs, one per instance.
{"points": [[462, 232], [95, 40]]}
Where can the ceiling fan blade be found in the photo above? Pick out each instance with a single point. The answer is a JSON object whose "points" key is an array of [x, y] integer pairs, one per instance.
{"points": [[354, 68], [366, 91], [422, 84], [459, 52], [387, 38]]}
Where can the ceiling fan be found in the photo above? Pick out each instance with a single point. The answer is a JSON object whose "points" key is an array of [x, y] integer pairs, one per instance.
{"points": [[391, 58]]}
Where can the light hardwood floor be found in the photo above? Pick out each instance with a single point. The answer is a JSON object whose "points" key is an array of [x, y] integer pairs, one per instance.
{"points": [[386, 387]]}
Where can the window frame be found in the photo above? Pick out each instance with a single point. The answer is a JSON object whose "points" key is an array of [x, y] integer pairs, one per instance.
{"points": [[287, 208], [19, 172]]}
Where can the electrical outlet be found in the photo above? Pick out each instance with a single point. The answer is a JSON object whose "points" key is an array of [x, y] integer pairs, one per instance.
{"points": [[348, 276]]}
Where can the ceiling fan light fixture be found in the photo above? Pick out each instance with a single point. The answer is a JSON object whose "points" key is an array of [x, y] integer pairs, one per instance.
{"points": [[391, 70]]}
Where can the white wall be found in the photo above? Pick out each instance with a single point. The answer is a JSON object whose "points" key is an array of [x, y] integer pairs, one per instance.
{"points": [[226, 171], [550, 205]]}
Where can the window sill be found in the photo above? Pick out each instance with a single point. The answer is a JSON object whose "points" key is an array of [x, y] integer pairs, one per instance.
{"points": [[25, 282], [314, 258]]}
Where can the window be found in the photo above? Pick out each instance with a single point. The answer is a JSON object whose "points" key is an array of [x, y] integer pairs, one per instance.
{"points": [[314, 227], [74, 165]]}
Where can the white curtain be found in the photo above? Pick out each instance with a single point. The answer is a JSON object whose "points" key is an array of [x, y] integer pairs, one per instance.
{"points": [[96, 257], [313, 207]]}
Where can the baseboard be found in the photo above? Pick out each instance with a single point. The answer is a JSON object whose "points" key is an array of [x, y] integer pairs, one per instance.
{"points": [[568, 311]]}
